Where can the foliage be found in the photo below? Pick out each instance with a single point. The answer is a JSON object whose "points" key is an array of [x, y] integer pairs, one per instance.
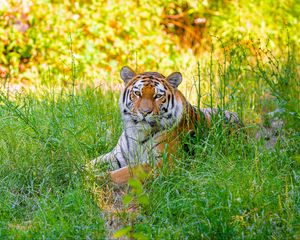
{"points": [[38, 38]]}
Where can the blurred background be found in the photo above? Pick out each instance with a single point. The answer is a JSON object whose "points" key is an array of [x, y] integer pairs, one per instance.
{"points": [[44, 38], [226, 50]]}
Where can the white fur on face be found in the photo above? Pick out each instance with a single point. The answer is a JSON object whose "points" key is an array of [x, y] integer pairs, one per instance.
{"points": [[170, 112], [138, 140]]}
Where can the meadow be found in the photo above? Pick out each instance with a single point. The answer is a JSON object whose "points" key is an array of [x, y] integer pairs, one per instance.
{"points": [[59, 91]]}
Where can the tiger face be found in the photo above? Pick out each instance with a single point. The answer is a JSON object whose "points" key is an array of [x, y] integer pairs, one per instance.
{"points": [[149, 98]]}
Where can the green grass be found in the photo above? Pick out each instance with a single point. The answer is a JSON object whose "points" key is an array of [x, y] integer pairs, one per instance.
{"points": [[44, 143], [233, 187]]}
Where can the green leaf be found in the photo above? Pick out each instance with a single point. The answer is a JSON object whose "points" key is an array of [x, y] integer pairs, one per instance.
{"points": [[143, 199], [136, 185], [122, 232], [127, 199], [140, 236]]}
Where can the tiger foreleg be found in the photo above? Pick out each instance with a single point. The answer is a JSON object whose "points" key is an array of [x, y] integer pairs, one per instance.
{"points": [[113, 160], [107, 161]]}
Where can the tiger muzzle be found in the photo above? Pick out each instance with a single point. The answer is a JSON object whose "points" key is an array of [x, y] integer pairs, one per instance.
{"points": [[145, 112], [146, 107]]}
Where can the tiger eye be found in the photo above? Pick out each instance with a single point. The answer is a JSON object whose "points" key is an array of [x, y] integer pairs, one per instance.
{"points": [[137, 93], [157, 96]]}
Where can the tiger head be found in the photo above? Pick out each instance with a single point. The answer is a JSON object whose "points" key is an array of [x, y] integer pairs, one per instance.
{"points": [[150, 98]]}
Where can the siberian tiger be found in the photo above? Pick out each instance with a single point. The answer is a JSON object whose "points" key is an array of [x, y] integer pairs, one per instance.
{"points": [[156, 116]]}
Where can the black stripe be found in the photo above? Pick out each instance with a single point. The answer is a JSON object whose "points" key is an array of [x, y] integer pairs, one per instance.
{"points": [[156, 82], [168, 101], [127, 140], [129, 103], [172, 100], [145, 140], [176, 111], [186, 105], [164, 109], [126, 112], [124, 95], [118, 162], [148, 138], [123, 153], [156, 145]]}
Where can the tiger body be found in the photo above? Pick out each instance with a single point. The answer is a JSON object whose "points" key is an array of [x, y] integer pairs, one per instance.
{"points": [[155, 117]]}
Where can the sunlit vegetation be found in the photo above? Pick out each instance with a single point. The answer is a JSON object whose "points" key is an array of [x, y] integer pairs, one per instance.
{"points": [[59, 89]]}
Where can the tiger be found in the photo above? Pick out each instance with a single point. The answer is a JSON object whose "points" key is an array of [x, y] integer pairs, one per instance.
{"points": [[156, 116]]}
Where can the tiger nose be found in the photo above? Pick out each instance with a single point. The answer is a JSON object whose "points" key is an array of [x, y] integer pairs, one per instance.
{"points": [[145, 112]]}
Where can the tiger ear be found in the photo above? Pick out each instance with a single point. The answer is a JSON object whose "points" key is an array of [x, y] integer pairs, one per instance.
{"points": [[174, 79], [127, 74]]}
